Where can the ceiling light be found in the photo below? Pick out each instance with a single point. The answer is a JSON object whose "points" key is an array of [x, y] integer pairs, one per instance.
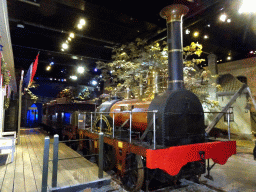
{"points": [[229, 20], [48, 68], [229, 58], [79, 26], [73, 77], [20, 26], [248, 6], [206, 37], [196, 34], [208, 25], [64, 45], [187, 31], [69, 39], [62, 49], [94, 82], [72, 35], [80, 70], [82, 22], [223, 17]]}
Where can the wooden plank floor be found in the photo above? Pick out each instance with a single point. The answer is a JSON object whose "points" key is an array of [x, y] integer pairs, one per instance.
{"points": [[25, 172]]}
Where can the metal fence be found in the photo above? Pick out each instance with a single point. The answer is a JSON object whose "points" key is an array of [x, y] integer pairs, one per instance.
{"points": [[56, 159], [93, 115]]}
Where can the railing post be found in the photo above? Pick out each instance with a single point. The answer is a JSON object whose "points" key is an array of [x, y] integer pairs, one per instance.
{"points": [[113, 125], [45, 164], [154, 128], [55, 160], [228, 125], [91, 121], [130, 126], [101, 142], [100, 122]]}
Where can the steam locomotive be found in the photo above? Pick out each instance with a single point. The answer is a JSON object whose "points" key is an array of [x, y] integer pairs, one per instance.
{"points": [[164, 138]]}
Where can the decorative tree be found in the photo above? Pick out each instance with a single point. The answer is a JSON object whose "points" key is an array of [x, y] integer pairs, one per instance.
{"points": [[85, 94], [135, 63], [65, 93], [5, 72]]}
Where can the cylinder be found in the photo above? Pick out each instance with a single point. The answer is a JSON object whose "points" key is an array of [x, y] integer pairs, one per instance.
{"points": [[173, 15]]}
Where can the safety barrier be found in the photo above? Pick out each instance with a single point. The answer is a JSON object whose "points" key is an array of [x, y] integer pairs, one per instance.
{"points": [[228, 120], [94, 184], [94, 115]]}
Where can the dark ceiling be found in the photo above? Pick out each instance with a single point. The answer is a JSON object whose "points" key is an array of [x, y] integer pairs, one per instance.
{"points": [[46, 24]]}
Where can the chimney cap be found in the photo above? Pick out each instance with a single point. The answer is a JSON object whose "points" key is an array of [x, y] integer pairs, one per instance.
{"points": [[174, 12]]}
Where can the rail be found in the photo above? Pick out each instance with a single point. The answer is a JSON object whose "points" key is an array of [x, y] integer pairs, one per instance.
{"points": [[229, 113], [56, 158], [93, 116]]}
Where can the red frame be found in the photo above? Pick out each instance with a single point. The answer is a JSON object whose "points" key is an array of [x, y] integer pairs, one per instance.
{"points": [[171, 159]]}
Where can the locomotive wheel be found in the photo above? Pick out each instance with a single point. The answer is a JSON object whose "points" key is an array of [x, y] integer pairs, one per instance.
{"points": [[109, 159], [134, 173], [106, 124]]}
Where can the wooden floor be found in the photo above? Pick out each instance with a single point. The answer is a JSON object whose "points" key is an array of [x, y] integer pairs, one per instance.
{"points": [[25, 172]]}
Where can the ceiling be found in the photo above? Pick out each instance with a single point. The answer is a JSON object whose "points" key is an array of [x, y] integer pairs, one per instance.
{"points": [[43, 25]]}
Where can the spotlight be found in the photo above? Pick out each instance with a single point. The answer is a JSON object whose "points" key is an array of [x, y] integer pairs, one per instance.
{"points": [[72, 35], [80, 70], [73, 77], [82, 22], [79, 26], [229, 20], [187, 31], [48, 68], [206, 37], [64, 45], [196, 34], [248, 6], [94, 82], [223, 17], [229, 58]]}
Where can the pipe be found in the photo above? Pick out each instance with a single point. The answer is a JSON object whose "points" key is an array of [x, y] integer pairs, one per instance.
{"points": [[173, 15]]}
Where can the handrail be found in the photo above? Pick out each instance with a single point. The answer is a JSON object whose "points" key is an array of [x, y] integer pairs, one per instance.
{"points": [[130, 122]]}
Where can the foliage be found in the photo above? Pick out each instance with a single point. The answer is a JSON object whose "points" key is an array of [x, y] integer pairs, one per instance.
{"points": [[134, 64], [6, 102], [32, 96], [84, 95], [5, 72], [65, 93]]}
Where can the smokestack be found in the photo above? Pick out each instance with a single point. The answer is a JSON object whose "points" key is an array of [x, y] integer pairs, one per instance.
{"points": [[173, 15]]}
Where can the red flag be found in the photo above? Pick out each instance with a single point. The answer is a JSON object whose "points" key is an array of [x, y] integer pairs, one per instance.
{"points": [[34, 70]]}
